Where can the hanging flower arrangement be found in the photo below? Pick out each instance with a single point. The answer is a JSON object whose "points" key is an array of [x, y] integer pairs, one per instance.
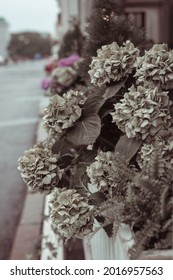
{"points": [[110, 153], [46, 83], [66, 76]]}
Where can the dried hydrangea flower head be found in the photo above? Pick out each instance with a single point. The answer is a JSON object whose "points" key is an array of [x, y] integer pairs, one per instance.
{"points": [[39, 169], [62, 112], [64, 76], [165, 155], [156, 66], [143, 112], [100, 170], [113, 63], [70, 213]]}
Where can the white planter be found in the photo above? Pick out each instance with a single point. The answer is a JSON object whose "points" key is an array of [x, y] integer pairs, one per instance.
{"points": [[157, 255], [52, 247], [101, 247]]}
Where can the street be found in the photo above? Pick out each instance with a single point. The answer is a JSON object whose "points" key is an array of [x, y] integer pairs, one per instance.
{"points": [[20, 95]]}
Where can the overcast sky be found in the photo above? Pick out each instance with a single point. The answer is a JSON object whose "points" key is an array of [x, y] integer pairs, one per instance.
{"points": [[29, 15]]}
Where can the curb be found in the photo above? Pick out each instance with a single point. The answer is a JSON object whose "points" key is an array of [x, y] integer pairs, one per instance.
{"points": [[28, 236], [27, 241]]}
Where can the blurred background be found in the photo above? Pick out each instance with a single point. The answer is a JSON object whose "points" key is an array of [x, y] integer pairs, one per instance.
{"points": [[28, 29], [31, 37]]}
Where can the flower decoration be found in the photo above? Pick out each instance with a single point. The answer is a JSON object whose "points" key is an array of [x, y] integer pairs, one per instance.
{"points": [[64, 76], [46, 83], [39, 170], [113, 63], [52, 64], [97, 174], [63, 112], [143, 112], [156, 66], [55, 88], [68, 61], [70, 213], [160, 148], [100, 170]]}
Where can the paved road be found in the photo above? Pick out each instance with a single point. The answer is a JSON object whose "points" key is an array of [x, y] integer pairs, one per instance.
{"points": [[20, 94]]}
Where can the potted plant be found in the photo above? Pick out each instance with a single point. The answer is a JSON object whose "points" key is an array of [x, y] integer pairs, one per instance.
{"points": [[117, 141]]}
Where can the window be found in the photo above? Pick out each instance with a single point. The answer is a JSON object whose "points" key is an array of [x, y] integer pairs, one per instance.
{"points": [[139, 19]]}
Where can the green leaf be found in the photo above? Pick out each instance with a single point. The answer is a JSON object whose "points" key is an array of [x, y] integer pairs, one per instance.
{"points": [[97, 198], [87, 156], [62, 146], [108, 229], [80, 179], [113, 90], [64, 182], [105, 113], [128, 147], [171, 111], [65, 160], [169, 85], [93, 105], [86, 131]]}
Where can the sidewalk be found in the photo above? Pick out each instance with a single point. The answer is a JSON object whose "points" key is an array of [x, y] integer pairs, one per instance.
{"points": [[27, 243], [34, 237]]}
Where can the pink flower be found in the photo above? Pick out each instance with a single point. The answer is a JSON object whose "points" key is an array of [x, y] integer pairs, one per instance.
{"points": [[46, 83], [67, 61], [52, 64]]}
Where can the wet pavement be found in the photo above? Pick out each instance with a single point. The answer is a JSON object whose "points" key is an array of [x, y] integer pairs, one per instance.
{"points": [[20, 95]]}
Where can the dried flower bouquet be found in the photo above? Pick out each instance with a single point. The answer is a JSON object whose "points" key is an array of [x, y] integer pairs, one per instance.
{"points": [[118, 136]]}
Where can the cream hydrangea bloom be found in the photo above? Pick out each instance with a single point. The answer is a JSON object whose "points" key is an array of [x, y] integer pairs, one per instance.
{"points": [[143, 112], [113, 63], [163, 149], [156, 66], [100, 170], [70, 213], [64, 76], [39, 169], [63, 112]]}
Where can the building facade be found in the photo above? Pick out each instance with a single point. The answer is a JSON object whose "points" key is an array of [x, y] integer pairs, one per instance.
{"points": [[79, 9], [155, 16], [4, 39]]}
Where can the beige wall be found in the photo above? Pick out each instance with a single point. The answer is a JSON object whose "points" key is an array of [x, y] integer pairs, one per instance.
{"points": [[156, 15], [144, 2], [85, 7], [152, 21]]}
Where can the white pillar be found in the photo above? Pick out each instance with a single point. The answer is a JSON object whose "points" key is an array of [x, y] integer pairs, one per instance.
{"points": [[4, 38]]}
